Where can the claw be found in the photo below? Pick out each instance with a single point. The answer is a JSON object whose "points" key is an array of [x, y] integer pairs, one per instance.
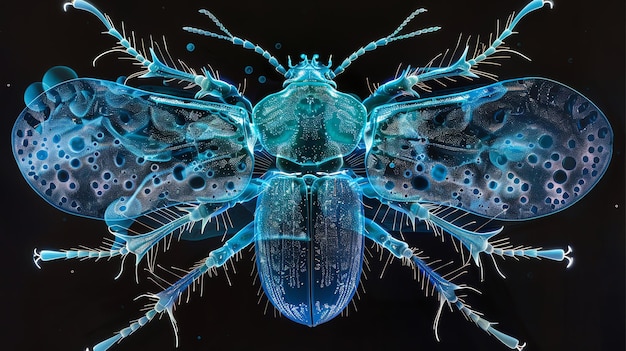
{"points": [[570, 260], [36, 258], [549, 2]]}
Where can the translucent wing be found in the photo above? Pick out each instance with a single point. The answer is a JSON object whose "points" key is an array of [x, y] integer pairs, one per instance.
{"points": [[516, 149], [86, 144]]}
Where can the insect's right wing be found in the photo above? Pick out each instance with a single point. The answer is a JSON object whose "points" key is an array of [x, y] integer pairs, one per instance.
{"points": [[85, 144], [515, 150]]}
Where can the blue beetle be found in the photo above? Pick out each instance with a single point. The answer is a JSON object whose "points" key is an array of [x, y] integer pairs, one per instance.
{"points": [[108, 151]]}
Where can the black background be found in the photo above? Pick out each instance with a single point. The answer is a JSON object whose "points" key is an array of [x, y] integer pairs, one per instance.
{"points": [[72, 305]]}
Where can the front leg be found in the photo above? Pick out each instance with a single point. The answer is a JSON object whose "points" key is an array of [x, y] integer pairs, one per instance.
{"points": [[410, 78], [154, 68]]}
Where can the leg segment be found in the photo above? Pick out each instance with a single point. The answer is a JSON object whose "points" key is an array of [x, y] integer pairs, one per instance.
{"points": [[167, 299], [446, 290]]}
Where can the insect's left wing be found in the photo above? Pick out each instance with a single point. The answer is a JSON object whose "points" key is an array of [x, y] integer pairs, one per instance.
{"points": [[86, 144], [514, 150]]}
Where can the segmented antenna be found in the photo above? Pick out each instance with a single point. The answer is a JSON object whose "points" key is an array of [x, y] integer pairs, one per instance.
{"points": [[386, 40], [235, 40]]}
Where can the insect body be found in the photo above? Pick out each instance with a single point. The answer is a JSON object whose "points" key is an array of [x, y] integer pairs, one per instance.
{"points": [[513, 150]]}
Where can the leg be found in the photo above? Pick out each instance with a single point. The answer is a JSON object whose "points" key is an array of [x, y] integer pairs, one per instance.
{"points": [[166, 299], [475, 242], [463, 67], [445, 289], [155, 68], [141, 245]]}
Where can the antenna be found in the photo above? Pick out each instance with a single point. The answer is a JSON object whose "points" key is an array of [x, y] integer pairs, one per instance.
{"points": [[386, 40], [235, 40]]}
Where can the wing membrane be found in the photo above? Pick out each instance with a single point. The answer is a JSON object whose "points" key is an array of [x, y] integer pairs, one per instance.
{"points": [[516, 149], [86, 144]]}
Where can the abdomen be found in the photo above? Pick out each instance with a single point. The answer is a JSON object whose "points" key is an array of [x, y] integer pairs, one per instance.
{"points": [[309, 245]]}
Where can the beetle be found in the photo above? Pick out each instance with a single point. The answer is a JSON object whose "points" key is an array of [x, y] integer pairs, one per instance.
{"points": [[290, 161]]}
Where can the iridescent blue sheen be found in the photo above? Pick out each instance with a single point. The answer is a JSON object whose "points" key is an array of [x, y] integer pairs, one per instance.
{"points": [[296, 169]]}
